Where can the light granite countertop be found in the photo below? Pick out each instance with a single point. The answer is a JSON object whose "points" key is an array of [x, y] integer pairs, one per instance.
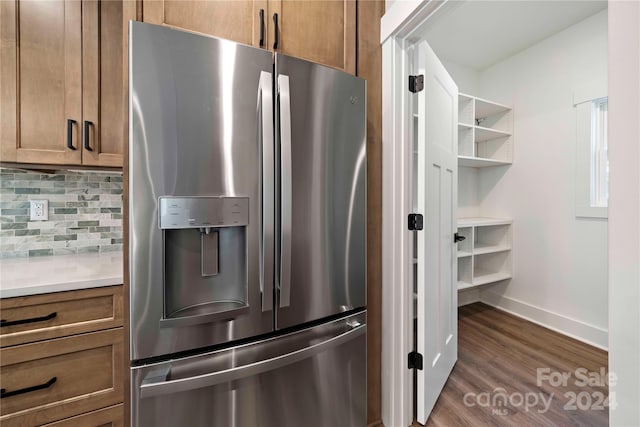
{"points": [[40, 275]]}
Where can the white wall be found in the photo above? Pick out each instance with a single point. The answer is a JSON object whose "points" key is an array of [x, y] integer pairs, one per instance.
{"points": [[560, 261], [624, 210], [388, 4], [467, 79]]}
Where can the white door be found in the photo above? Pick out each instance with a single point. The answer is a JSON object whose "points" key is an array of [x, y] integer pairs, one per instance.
{"points": [[437, 327]]}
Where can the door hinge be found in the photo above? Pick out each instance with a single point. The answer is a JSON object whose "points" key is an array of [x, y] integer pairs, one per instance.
{"points": [[415, 222], [416, 83], [415, 360]]}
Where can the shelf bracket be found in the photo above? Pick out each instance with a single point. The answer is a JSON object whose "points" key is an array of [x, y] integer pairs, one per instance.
{"points": [[416, 83]]}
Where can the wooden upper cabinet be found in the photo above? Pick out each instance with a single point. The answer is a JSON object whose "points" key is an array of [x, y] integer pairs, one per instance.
{"points": [[237, 20], [104, 76], [64, 71], [317, 30], [41, 84]]}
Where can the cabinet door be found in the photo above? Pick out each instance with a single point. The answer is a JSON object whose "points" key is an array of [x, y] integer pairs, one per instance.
{"points": [[107, 417], [40, 317], [318, 30], [104, 92], [237, 20], [50, 380], [41, 85]]}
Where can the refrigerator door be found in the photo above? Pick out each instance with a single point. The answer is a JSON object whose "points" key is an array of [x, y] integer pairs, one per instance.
{"points": [[201, 168], [316, 376], [321, 123]]}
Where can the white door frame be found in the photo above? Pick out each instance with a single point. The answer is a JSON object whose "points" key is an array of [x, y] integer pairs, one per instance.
{"points": [[399, 21], [403, 19]]}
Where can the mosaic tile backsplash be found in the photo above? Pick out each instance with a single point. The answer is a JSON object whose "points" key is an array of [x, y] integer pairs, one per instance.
{"points": [[85, 213]]}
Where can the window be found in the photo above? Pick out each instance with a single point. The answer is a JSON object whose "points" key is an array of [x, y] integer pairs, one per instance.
{"points": [[592, 163], [599, 157]]}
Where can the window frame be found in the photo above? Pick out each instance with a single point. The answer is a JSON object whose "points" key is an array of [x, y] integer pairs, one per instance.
{"points": [[584, 102], [599, 176]]}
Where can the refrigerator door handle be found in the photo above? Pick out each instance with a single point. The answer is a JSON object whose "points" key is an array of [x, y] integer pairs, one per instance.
{"points": [[267, 177], [156, 383], [285, 189]]}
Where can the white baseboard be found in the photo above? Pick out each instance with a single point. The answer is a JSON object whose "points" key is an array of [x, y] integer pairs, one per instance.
{"points": [[592, 335], [468, 296]]}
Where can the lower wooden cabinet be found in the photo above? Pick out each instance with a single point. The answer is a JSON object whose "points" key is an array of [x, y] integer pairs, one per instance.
{"points": [[62, 360], [112, 416], [39, 317], [51, 380]]}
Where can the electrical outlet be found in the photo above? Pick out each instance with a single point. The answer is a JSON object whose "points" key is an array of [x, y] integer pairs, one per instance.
{"points": [[39, 210]]}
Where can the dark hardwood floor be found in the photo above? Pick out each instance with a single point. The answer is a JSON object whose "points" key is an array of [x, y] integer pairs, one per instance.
{"points": [[497, 382]]}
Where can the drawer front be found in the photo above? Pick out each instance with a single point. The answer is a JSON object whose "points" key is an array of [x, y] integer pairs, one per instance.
{"points": [[107, 417], [77, 374], [40, 317]]}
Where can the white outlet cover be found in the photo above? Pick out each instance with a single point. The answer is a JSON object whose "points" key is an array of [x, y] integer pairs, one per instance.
{"points": [[38, 210]]}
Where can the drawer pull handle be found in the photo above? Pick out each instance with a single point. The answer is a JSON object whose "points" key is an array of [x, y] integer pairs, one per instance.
{"points": [[4, 393], [4, 323]]}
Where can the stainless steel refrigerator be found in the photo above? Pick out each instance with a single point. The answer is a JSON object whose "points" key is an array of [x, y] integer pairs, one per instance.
{"points": [[247, 236]]}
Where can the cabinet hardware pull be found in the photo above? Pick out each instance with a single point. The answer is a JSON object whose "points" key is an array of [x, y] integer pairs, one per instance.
{"points": [[458, 238], [4, 393], [4, 323], [275, 32], [70, 123], [87, 124], [261, 27]]}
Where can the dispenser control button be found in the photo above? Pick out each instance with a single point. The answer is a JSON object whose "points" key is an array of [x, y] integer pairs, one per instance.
{"points": [[188, 212]]}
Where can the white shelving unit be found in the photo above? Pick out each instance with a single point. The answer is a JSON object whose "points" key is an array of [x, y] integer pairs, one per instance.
{"points": [[485, 254], [477, 162], [485, 139], [484, 132]]}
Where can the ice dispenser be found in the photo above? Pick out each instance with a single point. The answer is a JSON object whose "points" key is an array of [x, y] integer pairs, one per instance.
{"points": [[205, 258]]}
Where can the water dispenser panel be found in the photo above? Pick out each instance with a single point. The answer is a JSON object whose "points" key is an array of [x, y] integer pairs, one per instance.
{"points": [[196, 212], [205, 258]]}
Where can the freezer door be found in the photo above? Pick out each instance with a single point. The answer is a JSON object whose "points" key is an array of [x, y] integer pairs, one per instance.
{"points": [[314, 377], [201, 186], [321, 121]]}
